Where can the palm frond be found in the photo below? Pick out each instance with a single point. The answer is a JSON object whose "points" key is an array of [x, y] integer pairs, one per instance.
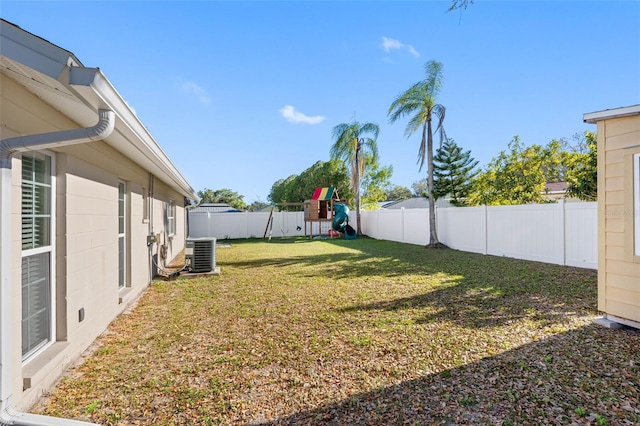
{"points": [[433, 70], [416, 122], [440, 111], [351, 143], [406, 103]]}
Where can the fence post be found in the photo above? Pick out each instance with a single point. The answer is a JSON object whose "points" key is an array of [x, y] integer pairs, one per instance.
{"points": [[246, 224], [435, 212], [402, 223], [486, 230], [564, 231]]}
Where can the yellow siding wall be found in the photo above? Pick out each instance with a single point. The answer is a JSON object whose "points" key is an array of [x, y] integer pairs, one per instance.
{"points": [[86, 249], [619, 269]]}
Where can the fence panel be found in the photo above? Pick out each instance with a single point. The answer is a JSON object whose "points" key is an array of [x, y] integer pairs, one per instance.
{"points": [[581, 235], [416, 226], [463, 228], [368, 222], [390, 225], [246, 225], [201, 225], [530, 232], [285, 224]]}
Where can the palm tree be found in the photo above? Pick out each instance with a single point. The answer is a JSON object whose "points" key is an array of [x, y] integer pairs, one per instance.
{"points": [[351, 146], [419, 102]]}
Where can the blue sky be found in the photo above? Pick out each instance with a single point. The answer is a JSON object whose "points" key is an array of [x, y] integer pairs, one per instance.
{"points": [[240, 94]]}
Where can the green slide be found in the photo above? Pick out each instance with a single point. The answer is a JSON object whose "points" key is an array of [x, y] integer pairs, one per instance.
{"points": [[340, 221]]}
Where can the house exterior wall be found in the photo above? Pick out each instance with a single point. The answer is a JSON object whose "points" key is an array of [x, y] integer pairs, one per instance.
{"points": [[618, 266], [85, 253]]}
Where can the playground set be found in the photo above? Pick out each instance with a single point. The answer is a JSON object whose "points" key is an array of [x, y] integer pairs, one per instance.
{"points": [[324, 207]]}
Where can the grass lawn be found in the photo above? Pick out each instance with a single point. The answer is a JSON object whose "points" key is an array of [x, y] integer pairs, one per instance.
{"points": [[360, 332]]}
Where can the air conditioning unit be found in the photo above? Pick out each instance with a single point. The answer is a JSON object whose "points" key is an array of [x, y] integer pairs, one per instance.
{"points": [[200, 254]]}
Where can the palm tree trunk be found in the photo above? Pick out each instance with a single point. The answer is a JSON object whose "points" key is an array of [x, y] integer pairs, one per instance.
{"points": [[357, 188], [433, 234]]}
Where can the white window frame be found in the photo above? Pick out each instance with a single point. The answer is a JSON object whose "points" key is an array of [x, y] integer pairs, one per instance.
{"points": [[636, 201], [171, 218], [51, 249]]}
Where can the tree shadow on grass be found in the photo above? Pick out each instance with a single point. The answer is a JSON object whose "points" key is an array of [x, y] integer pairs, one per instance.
{"points": [[469, 289], [589, 375]]}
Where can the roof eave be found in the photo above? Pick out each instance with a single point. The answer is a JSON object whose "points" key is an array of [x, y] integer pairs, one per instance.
{"points": [[93, 91], [94, 87], [608, 114]]}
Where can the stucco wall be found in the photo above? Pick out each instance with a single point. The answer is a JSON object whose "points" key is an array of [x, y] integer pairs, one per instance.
{"points": [[86, 244], [618, 267]]}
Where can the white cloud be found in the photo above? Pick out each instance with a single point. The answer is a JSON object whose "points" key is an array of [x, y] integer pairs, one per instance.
{"points": [[293, 116], [389, 44], [199, 92]]}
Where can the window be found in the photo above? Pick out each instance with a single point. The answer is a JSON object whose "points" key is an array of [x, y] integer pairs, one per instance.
{"points": [[122, 204], [171, 217], [636, 201], [37, 248]]}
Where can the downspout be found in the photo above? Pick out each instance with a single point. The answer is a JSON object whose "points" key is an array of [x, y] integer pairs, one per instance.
{"points": [[150, 213], [8, 147]]}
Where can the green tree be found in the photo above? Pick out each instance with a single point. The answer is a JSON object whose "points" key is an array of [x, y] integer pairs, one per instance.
{"points": [[582, 169], [353, 146], [398, 192], [454, 170], [257, 205], [419, 102], [277, 193], [518, 175], [224, 195], [323, 174], [298, 188], [376, 182], [420, 188]]}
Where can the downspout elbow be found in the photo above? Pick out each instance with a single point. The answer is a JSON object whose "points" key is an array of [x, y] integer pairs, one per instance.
{"points": [[101, 130]]}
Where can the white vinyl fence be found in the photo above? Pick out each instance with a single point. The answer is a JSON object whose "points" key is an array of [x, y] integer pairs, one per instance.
{"points": [[561, 233], [234, 225]]}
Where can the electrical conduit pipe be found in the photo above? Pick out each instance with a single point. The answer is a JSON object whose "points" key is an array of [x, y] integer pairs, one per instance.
{"points": [[8, 147]]}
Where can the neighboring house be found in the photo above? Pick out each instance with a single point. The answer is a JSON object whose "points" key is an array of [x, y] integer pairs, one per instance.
{"points": [[554, 191], [88, 201], [618, 214]]}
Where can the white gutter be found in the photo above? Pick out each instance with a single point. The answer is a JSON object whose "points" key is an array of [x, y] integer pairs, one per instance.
{"points": [[8, 147], [607, 114], [131, 137]]}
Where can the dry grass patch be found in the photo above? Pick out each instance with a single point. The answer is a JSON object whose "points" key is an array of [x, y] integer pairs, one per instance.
{"points": [[360, 332]]}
